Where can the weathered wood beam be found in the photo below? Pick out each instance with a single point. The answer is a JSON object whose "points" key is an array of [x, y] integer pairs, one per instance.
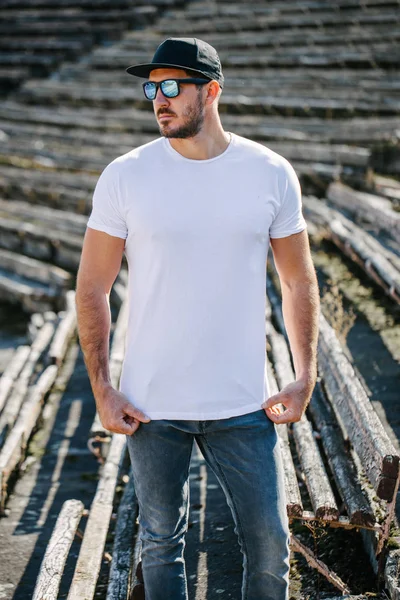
{"points": [[356, 413], [34, 269], [340, 462], [60, 220], [19, 390], [65, 331], [122, 554], [88, 565], [12, 372], [375, 209], [15, 445], [53, 563], [317, 481], [318, 564], [293, 497], [379, 263]]}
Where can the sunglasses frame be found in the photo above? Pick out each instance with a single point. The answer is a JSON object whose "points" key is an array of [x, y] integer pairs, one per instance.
{"points": [[158, 84]]}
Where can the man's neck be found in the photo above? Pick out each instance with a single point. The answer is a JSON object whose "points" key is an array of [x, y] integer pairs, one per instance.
{"points": [[203, 146]]}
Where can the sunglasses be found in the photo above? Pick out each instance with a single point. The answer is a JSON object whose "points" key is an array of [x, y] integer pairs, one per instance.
{"points": [[169, 87]]}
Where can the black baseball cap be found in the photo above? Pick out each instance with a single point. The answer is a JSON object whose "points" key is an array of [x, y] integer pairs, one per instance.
{"points": [[183, 53]]}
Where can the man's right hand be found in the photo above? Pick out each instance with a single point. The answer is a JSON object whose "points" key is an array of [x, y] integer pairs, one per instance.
{"points": [[117, 414]]}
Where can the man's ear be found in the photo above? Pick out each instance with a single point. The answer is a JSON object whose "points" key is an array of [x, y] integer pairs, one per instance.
{"points": [[212, 92]]}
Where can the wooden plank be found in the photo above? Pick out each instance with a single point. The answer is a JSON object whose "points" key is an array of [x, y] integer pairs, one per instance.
{"points": [[36, 322], [319, 488], [280, 7], [40, 242], [33, 269], [94, 121], [123, 549], [35, 44], [36, 184], [356, 244], [299, 81], [387, 187], [60, 28], [90, 159], [294, 503], [69, 15], [60, 220], [347, 597], [81, 182], [91, 553], [366, 54], [293, 496], [375, 209], [32, 295], [53, 563], [55, 92], [356, 414], [391, 574], [318, 564], [246, 20], [12, 372], [259, 40], [15, 445], [16, 399], [340, 461], [65, 330], [94, 4], [43, 62], [379, 263]]}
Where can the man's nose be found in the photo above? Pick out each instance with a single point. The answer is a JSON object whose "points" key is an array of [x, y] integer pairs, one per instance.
{"points": [[160, 98]]}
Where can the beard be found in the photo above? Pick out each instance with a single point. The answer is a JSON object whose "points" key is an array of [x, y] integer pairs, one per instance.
{"points": [[194, 119]]}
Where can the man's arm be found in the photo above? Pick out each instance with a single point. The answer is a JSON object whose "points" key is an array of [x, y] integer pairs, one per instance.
{"points": [[300, 304], [99, 265]]}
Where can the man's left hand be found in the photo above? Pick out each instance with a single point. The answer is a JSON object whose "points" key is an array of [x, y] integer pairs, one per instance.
{"points": [[294, 397]]}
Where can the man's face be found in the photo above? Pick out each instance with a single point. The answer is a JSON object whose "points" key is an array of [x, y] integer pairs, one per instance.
{"points": [[181, 117]]}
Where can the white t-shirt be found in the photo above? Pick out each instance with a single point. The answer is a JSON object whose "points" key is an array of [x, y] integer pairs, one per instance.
{"points": [[197, 235]]}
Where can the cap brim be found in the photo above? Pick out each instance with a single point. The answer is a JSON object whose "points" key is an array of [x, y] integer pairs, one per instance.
{"points": [[145, 69]]}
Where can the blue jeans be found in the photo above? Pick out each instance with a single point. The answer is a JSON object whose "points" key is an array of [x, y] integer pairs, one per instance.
{"points": [[244, 454]]}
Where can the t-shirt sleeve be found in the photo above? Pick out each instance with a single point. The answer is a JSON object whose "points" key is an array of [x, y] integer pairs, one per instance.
{"points": [[106, 212], [289, 218]]}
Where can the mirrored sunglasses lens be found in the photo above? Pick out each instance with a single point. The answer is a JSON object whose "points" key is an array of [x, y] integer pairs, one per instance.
{"points": [[170, 88], [150, 90]]}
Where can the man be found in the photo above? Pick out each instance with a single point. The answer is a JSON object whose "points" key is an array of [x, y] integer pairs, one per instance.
{"points": [[195, 211]]}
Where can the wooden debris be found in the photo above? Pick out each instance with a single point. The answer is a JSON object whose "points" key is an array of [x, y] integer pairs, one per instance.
{"points": [[15, 445], [293, 498], [51, 569], [340, 462], [122, 554], [60, 220], [379, 263], [374, 209], [357, 415], [392, 570], [55, 92], [12, 372], [25, 379], [318, 564], [90, 556], [30, 281], [319, 489], [65, 331]]}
